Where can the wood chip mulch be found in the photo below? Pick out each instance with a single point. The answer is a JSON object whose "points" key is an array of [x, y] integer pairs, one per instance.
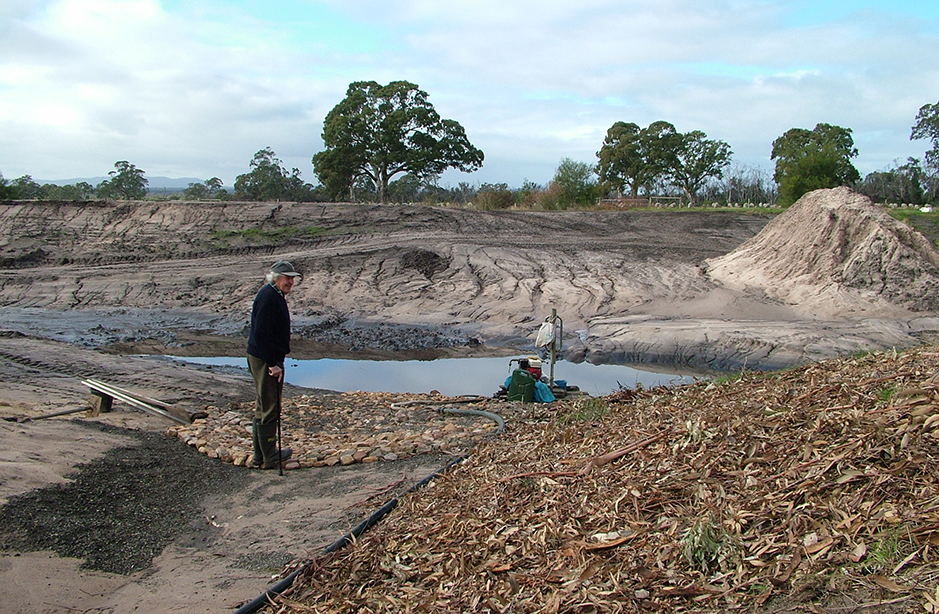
{"points": [[718, 496]]}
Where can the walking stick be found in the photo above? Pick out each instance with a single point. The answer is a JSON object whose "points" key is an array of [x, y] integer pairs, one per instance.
{"points": [[280, 460], [280, 455]]}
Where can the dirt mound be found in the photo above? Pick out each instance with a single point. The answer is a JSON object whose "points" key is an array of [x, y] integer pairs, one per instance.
{"points": [[834, 246], [429, 281]]}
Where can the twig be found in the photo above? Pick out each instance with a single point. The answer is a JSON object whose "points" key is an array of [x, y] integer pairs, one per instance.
{"points": [[599, 461], [537, 474], [864, 606]]}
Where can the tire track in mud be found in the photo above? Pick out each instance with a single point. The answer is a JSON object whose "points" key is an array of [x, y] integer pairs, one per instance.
{"points": [[164, 380], [46, 367], [407, 265]]}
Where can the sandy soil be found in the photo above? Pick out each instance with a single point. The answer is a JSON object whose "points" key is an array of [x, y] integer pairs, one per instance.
{"points": [[630, 286], [84, 288], [376, 278], [206, 536], [219, 556]]}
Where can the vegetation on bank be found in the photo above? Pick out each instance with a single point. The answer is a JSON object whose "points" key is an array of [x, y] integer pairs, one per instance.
{"points": [[388, 144], [924, 222]]}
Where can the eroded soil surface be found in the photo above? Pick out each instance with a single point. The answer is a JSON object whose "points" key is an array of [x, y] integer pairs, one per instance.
{"points": [[376, 278], [87, 289], [422, 282]]}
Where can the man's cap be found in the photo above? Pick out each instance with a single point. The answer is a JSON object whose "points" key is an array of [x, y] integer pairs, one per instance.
{"points": [[282, 267]]}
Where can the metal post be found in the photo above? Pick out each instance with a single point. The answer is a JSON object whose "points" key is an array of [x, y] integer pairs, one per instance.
{"points": [[555, 342]]}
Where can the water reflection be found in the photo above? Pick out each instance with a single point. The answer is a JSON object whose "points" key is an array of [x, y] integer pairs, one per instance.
{"points": [[451, 376]]}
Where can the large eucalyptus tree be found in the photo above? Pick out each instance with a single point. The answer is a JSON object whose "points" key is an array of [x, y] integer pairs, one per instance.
{"points": [[378, 131]]}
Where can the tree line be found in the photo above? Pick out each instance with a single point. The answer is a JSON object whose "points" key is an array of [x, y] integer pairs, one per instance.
{"points": [[125, 182], [387, 143]]}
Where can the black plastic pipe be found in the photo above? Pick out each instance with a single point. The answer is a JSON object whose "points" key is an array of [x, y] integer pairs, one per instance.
{"points": [[275, 589]]}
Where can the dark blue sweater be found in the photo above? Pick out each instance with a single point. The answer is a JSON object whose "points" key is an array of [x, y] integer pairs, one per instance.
{"points": [[269, 338]]}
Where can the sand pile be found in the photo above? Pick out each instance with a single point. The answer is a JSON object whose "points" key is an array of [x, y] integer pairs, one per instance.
{"points": [[832, 251]]}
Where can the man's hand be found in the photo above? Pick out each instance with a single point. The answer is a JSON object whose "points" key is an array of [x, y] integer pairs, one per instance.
{"points": [[276, 372]]}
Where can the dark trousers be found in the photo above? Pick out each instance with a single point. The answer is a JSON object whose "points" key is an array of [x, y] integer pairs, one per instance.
{"points": [[269, 391]]}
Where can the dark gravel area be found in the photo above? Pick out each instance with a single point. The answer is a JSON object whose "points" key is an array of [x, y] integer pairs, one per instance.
{"points": [[121, 510], [359, 336]]}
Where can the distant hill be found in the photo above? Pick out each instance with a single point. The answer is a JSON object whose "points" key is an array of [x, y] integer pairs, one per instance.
{"points": [[157, 184]]}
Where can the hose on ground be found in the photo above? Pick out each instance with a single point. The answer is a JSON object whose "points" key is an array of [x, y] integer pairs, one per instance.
{"points": [[477, 412], [275, 589]]}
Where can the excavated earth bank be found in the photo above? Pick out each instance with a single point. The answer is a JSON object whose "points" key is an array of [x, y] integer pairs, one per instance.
{"points": [[85, 288], [833, 275]]}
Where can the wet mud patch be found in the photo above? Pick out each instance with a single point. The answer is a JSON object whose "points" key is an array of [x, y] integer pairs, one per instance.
{"points": [[121, 510], [365, 336], [426, 262]]}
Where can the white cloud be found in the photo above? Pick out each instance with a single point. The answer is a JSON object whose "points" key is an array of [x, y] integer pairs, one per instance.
{"points": [[194, 89]]}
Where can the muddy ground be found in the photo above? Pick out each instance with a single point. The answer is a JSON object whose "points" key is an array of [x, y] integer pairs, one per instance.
{"points": [[109, 514], [631, 286], [86, 289]]}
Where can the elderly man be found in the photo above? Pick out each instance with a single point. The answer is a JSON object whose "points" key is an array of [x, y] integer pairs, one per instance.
{"points": [[268, 345]]}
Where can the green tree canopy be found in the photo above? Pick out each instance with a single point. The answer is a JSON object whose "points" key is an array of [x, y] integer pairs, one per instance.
{"points": [[79, 191], [903, 183], [576, 183], [927, 127], [632, 158], [127, 182], [378, 131], [405, 189], [7, 192], [269, 180], [210, 188], [809, 160], [621, 165], [26, 187], [697, 160]]}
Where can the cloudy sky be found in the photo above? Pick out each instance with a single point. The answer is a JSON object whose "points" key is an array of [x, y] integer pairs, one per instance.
{"points": [[193, 88]]}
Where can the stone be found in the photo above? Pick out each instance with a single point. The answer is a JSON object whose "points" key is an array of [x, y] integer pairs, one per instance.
{"points": [[357, 431]]}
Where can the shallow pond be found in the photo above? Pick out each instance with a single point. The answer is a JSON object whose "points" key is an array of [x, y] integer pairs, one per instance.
{"points": [[450, 376]]}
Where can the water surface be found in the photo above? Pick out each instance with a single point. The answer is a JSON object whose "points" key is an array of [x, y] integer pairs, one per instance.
{"points": [[450, 376]]}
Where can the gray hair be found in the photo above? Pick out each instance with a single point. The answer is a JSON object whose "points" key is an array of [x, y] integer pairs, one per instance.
{"points": [[271, 276]]}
